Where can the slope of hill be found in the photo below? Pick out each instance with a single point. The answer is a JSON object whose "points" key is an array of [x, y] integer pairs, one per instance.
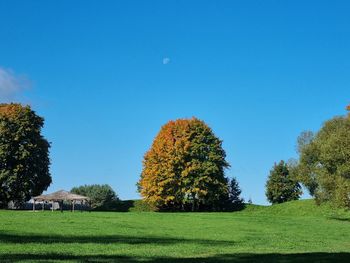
{"points": [[298, 208]]}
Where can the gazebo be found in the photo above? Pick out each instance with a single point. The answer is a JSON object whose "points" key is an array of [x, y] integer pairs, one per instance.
{"points": [[60, 197]]}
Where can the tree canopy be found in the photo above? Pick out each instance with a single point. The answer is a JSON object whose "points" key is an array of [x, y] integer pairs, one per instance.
{"points": [[102, 197], [324, 164], [281, 186], [184, 168], [24, 155]]}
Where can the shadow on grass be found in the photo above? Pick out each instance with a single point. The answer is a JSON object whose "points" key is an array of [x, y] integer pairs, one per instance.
{"points": [[343, 219], [286, 258], [107, 239]]}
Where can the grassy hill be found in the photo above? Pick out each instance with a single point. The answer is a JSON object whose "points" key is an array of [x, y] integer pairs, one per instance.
{"points": [[298, 208], [291, 232]]}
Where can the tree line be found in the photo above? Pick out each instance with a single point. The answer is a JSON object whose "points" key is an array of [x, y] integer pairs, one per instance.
{"points": [[184, 169]]}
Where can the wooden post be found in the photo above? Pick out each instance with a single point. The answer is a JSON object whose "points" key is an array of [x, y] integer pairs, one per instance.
{"points": [[43, 206], [52, 206], [33, 205], [73, 202]]}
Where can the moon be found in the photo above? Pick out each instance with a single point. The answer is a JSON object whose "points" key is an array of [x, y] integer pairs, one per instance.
{"points": [[166, 61]]}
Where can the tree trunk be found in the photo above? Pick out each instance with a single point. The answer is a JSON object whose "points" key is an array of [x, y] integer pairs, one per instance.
{"points": [[193, 202]]}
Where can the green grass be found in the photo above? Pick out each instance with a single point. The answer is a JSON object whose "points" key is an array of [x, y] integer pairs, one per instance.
{"points": [[291, 232]]}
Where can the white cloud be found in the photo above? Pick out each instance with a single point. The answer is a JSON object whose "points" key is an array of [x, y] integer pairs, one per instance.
{"points": [[166, 61], [11, 85]]}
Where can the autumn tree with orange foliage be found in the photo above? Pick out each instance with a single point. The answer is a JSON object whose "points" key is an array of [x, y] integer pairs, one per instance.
{"points": [[184, 168], [24, 155]]}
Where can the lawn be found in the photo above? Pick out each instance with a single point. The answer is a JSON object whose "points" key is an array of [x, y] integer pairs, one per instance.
{"points": [[292, 232]]}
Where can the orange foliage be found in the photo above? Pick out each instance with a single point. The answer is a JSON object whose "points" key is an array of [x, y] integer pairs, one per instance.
{"points": [[172, 168], [10, 110]]}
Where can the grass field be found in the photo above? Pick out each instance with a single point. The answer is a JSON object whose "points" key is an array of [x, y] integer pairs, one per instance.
{"points": [[291, 232]]}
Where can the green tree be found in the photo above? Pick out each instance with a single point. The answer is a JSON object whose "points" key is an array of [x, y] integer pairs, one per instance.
{"points": [[184, 168], [234, 195], [102, 197], [24, 155], [281, 186], [324, 164], [302, 168]]}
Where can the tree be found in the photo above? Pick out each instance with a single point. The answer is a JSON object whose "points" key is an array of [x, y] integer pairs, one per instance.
{"points": [[324, 163], [281, 186], [303, 171], [24, 155], [102, 197], [234, 196], [304, 139], [184, 168]]}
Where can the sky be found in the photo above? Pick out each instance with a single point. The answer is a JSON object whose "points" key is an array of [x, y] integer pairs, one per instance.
{"points": [[106, 75]]}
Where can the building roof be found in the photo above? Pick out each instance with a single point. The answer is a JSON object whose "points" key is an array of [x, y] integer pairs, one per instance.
{"points": [[60, 196]]}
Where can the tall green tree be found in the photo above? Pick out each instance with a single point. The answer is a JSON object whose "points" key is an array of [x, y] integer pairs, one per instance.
{"points": [[184, 168], [102, 197], [24, 155], [281, 186], [324, 164]]}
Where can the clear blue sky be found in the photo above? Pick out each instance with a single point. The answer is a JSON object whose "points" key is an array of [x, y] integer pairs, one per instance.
{"points": [[106, 75]]}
